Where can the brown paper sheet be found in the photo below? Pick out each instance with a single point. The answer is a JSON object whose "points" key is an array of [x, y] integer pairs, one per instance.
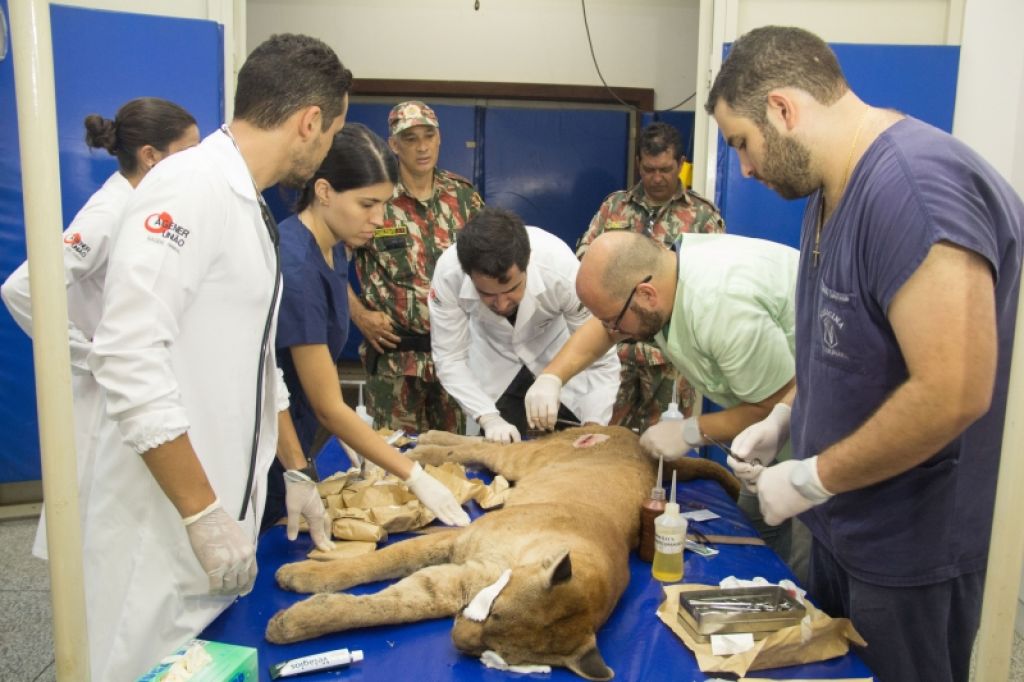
{"points": [[367, 508], [815, 639]]}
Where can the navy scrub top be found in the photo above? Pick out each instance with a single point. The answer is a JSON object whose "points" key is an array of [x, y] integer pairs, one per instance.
{"points": [[314, 310]]}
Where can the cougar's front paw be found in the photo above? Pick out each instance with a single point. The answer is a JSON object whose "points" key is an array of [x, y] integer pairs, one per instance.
{"points": [[306, 577], [430, 454]]}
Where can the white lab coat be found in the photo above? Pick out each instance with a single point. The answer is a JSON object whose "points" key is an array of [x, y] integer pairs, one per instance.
{"points": [[189, 289], [477, 353], [86, 248]]}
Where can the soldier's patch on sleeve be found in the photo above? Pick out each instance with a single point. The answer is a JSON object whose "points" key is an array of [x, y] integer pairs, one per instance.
{"points": [[390, 229]]}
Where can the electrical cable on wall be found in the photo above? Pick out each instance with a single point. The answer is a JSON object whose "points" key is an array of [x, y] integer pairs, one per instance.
{"points": [[607, 87]]}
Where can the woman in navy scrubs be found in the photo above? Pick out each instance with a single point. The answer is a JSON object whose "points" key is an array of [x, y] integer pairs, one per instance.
{"points": [[339, 209]]}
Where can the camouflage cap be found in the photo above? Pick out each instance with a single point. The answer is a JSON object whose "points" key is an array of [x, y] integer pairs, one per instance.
{"points": [[405, 115]]}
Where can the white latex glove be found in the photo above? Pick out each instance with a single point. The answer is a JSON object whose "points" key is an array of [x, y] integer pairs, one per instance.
{"points": [[760, 443], [790, 488], [301, 498], [497, 430], [223, 550], [671, 438], [542, 402], [438, 499], [746, 472]]}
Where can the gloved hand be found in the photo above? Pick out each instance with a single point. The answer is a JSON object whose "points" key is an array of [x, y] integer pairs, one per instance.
{"points": [[223, 550], [790, 488], [498, 430], [542, 402], [438, 499], [301, 498], [671, 438], [747, 473], [760, 443]]}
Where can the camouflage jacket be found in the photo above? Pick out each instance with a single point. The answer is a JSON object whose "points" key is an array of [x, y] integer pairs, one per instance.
{"points": [[686, 211], [395, 267]]}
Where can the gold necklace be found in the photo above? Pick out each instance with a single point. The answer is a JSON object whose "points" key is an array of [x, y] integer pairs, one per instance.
{"points": [[816, 253]]}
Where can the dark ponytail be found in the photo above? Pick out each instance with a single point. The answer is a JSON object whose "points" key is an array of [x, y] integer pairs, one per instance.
{"points": [[358, 158], [140, 122]]}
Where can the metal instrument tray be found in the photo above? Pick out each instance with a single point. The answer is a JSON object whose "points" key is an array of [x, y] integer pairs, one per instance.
{"points": [[739, 609]]}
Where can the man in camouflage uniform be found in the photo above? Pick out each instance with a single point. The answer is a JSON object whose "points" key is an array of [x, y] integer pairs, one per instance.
{"points": [[658, 206], [420, 221]]}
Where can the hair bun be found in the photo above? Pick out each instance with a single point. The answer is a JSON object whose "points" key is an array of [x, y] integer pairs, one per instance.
{"points": [[100, 133]]}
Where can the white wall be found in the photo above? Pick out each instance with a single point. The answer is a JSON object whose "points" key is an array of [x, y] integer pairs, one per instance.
{"points": [[638, 43], [906, 22]]}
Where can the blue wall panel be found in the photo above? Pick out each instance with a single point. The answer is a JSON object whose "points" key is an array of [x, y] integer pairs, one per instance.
{"points": [[917, 80], [554, 167], [101, 60]]}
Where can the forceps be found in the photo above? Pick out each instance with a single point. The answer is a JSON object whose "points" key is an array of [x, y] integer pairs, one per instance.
{"points": [[728, 450]]}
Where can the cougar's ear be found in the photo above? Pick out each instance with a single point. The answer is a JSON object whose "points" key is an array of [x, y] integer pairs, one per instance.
{"points": [[557, 569], [590, 665]]}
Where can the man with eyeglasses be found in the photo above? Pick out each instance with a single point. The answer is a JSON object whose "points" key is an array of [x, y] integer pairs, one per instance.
{"points": [[720, 307], [502, 302], [662, 208]]}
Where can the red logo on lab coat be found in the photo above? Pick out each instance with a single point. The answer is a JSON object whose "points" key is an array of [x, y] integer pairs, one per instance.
{"points": [[159, 222], [73, 238]]}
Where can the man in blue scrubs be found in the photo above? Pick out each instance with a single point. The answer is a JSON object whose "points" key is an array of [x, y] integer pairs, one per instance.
{"points": [[906, 303]]}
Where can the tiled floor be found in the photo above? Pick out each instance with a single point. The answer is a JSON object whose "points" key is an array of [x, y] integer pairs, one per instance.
{"points": [[26, 642]]}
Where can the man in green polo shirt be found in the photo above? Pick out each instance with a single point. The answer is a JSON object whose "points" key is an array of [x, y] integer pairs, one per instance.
{"points": [[720, 307]]}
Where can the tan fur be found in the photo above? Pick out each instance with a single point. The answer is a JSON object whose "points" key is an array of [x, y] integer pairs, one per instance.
{"points": [[565, 531]]}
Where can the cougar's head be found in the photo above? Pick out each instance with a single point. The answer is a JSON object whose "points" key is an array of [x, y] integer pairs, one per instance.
{"points": [[541, 617]]}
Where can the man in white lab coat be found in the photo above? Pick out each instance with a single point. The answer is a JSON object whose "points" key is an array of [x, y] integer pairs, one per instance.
{"points": [[184, 350], [502, 303]]}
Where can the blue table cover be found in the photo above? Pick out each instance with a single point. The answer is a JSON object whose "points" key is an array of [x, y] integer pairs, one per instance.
{"points": [[633, 642]]}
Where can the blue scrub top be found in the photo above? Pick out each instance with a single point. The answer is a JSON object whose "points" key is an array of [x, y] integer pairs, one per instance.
{"points": [[314, 310]]}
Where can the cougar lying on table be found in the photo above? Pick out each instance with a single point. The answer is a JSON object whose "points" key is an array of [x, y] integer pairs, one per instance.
{"points": [[565, 532]]}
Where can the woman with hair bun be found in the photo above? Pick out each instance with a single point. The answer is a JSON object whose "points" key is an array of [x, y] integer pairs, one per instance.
{"points": [[339, 209], [144, 131]]}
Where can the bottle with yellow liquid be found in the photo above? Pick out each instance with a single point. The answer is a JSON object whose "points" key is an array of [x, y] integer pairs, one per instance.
{"points": [[669, 540]]}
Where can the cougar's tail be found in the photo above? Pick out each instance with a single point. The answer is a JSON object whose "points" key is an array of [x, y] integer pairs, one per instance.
{"points": [[688, 468]]}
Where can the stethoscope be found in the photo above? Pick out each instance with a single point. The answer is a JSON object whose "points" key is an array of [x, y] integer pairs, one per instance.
{"points": [[275, 238]]}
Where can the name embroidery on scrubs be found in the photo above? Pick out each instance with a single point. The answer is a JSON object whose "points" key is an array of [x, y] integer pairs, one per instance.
{"points": [[832, 323], [163, 224], [77, 246]]}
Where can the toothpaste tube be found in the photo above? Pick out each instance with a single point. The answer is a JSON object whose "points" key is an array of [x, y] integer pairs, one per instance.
{"points": [[328, 660]]}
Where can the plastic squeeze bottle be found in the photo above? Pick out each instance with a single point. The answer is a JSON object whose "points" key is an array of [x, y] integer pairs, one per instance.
{"points": [[652, 507], [672, 412], [361, 407], [669, 539], [357, 460]]}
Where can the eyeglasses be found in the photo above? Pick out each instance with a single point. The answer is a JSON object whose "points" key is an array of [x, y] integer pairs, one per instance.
{"points": [[614, 326]]}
